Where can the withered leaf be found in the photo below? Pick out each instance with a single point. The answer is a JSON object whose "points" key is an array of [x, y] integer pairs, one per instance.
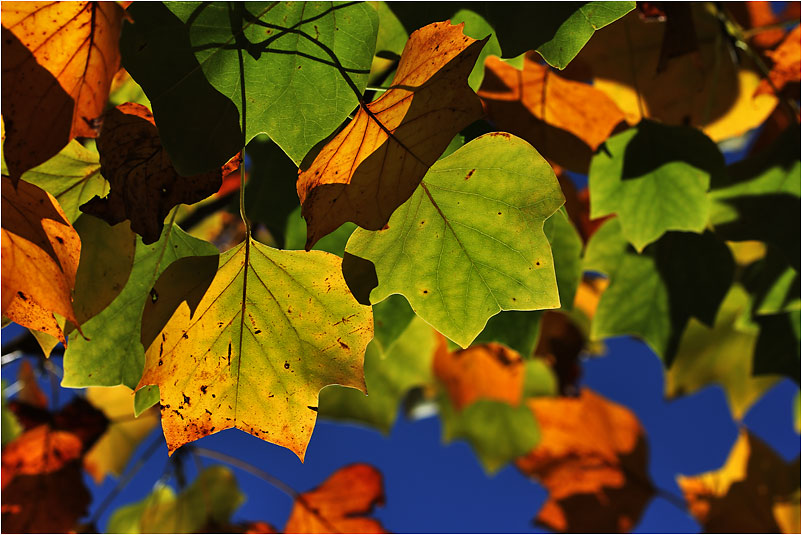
{"points": [[40, 259], [375, 163], [592, 458], [144, 184], [58, 62], [340, 503]]}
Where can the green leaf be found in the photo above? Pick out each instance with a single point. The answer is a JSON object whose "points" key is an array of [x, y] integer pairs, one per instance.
{"points": [[759, 200], [720, 355], [539, 379], [210, 500], [515, 329], [497, 431], [389, 374], [778, 348], [270, 195], [11, 427], [470, 241], [333, 243], [566, 248], [774, 284], [112, 354], [72, 176], [254, 335], [283, 65], [654, 294], [655, 178]]}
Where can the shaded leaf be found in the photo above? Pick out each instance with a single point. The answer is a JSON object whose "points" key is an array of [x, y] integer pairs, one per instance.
{"points": [[592, 459], [390, 372], [113, 354], [111, 453], [72, 176], [560, 342], [743, 495], [516, 329], [565, 120], [333, 243], [211, 498], [375, 163], [40, 259], [778, 345], [566, 247], [144, 184], [773, 283], [339, 505], [720, 355], [254, 343], [654, 294], [655, 178], [29, 392], [62, 58], [483, 209], [786, 58]]}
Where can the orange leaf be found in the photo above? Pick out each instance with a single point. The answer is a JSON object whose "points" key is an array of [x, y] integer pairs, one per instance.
{"points": [[144, 184], [338, 504], [550, 112], [58, 62], [370, 168], [489, 371], [39, 451], [592, 459], [30, 392], [40, 252], [787, 63], [742, 496]]}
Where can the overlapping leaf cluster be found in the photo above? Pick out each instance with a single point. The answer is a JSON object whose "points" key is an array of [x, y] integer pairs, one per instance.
{"points": [[457, 267]]}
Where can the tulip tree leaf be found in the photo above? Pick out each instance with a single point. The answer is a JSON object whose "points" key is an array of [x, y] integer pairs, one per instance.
{"points": [[469, 242], [111, 354], [654, 294], [251, 346], [655, 178]]}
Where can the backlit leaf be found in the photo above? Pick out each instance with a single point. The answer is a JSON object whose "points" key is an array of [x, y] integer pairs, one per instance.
{"points": [[339, 505], [592, 459], [40, 258], [62, 58], [655, 178], [565, 120], [482, 209], [211, 498], [743, 495], [375, 163], [786, 58], [113, 354], [144, 184], [262, 337]]}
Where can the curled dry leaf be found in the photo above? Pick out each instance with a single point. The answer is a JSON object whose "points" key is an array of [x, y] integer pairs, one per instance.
{"points": [[62, 57], [340, 503], [786, 67], [40, 259], [370, 168], [592, 459], [488, 371], [564, 120], [144, 184], [751, 493]]}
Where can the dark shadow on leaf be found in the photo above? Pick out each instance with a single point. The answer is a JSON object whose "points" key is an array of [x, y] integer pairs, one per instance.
{"points": [[777, 349], [360, 276], [37, 112]]}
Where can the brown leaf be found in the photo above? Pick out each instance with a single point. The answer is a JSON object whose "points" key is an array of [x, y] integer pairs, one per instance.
{"points": [[40, 251], [488, 371], [787, 63], [592, 459], [370, 168], [564, 120], [144, 184], [742, 496], [338, 505], [58, 62], [30, 392], [561, 342]]}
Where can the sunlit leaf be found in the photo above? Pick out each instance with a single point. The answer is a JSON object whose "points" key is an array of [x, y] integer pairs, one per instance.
{"points": [[786, 58]]}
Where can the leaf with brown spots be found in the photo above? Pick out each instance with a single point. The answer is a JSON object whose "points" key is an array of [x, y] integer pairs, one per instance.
{"points": [[339, 505], [786, 67], [58, 62], [255, 337], [40, 252], [370, 168], [144, 184], [565, 120], [592, 459], [751, 493]]}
